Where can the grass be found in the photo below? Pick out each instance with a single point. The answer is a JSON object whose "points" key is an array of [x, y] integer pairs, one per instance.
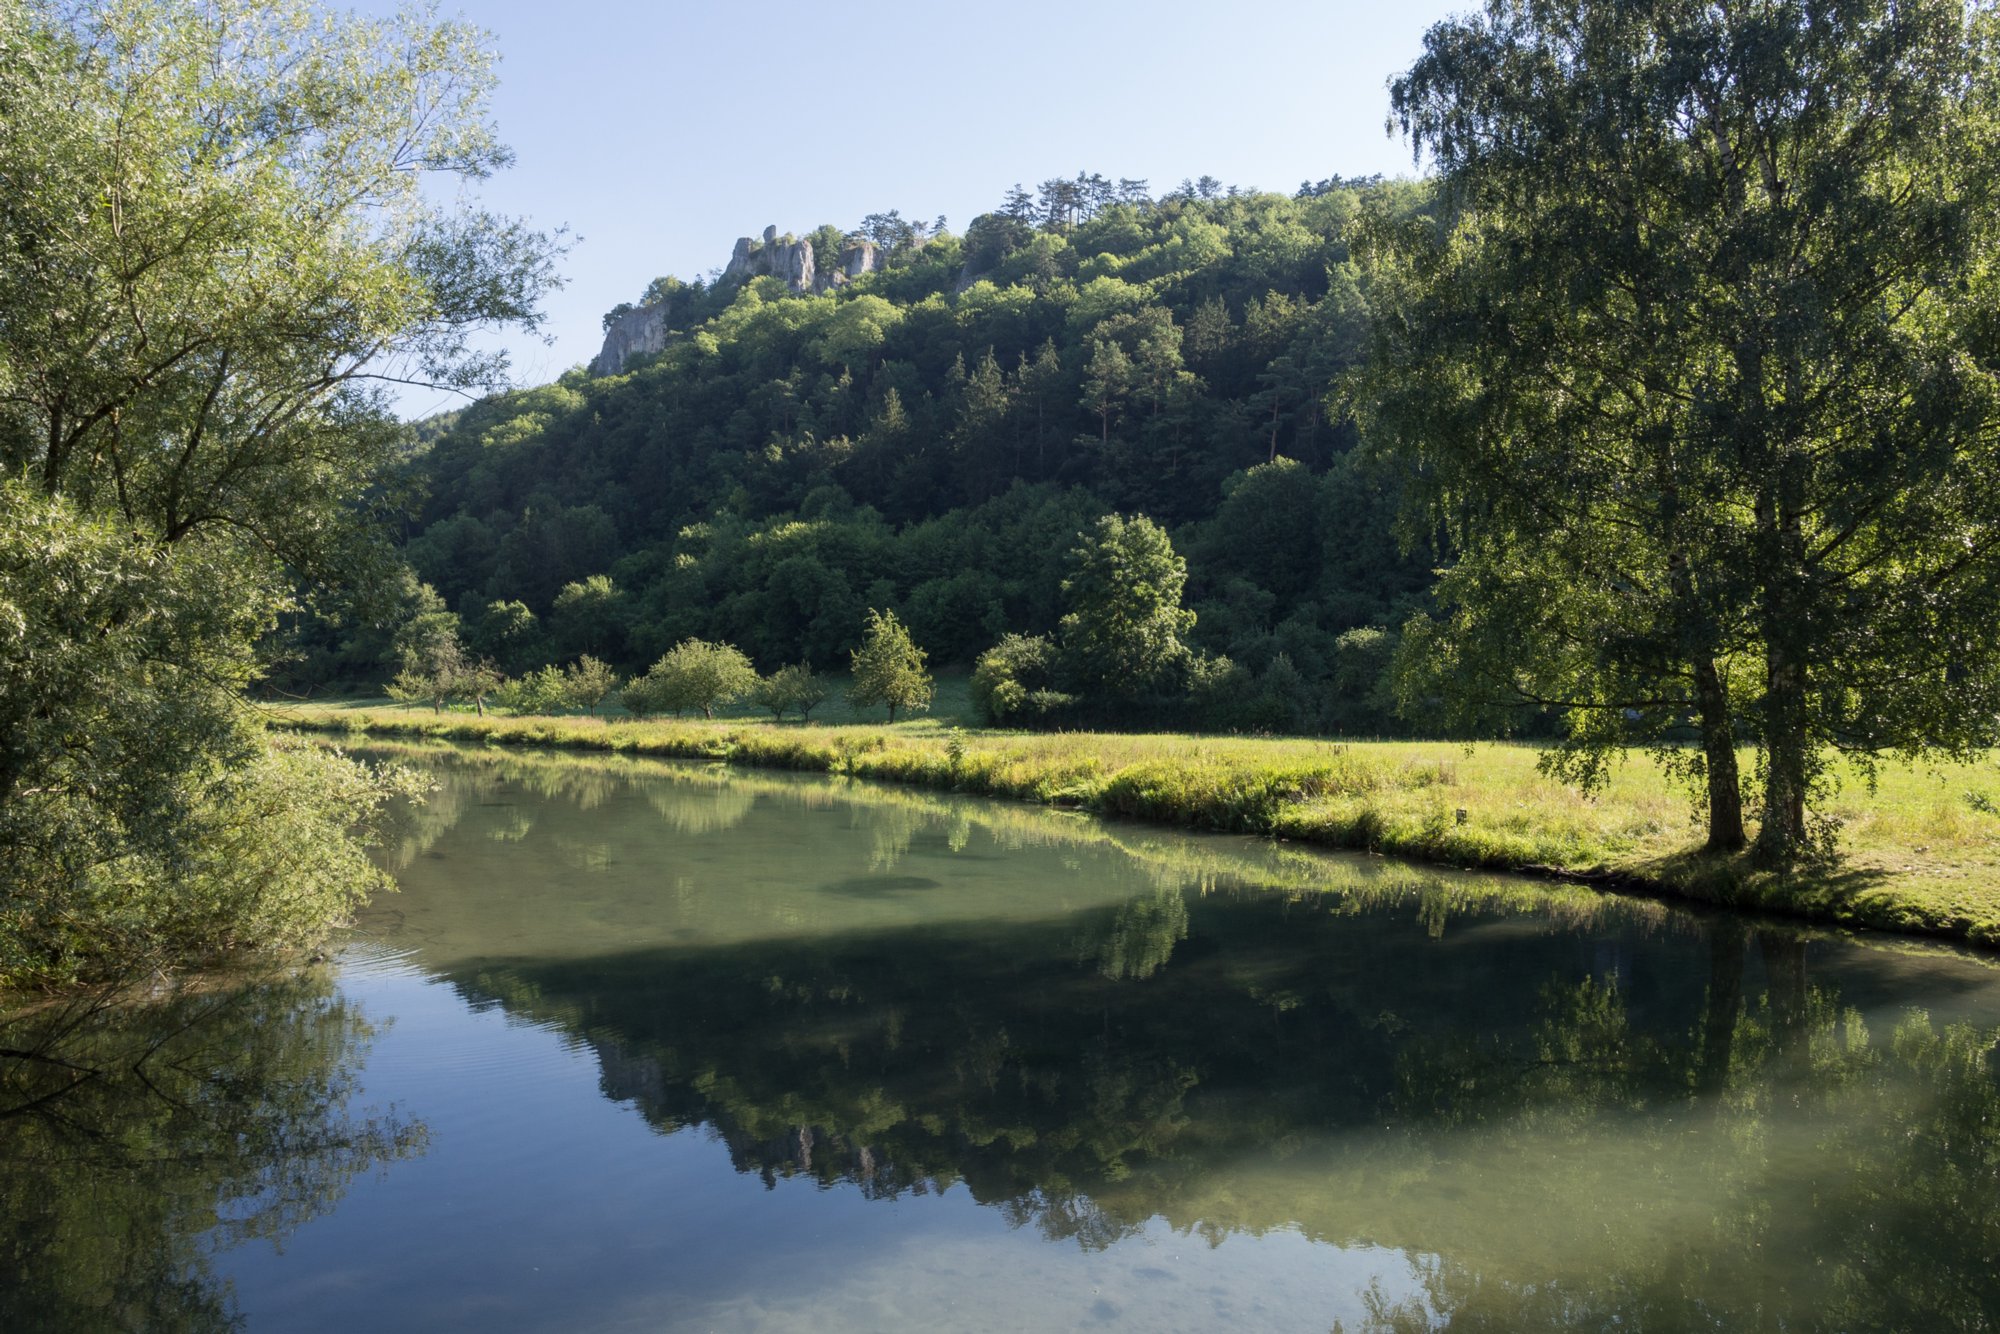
{"points": [[1920, 851]]}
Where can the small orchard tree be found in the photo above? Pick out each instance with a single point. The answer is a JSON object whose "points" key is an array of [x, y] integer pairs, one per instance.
{"points": [[543, 691], [793, 687], [697, 674], [641, 696], [478, 681], [889, 667], [809, 689], [433, 685], [587, 681], [774, 693]]}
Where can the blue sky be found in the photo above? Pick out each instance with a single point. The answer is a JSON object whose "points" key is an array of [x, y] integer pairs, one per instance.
{"points": [[661, 132]]}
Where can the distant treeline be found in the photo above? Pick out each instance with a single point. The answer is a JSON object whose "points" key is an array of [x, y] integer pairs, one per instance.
{"points": [[934, 438]]}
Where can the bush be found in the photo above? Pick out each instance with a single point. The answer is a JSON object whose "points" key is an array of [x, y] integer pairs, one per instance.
{"points": [[1012, 681]]}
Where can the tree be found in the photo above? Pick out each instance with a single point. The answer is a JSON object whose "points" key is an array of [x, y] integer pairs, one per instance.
{"points": [[429, 654], [545, 691], [1697, 373], [1121, 639], [588, 617], [215, 231], [479, 681], [507, 632], [1107, 381], [889, 667], [697, 674], [793, 687], [587, 681]]}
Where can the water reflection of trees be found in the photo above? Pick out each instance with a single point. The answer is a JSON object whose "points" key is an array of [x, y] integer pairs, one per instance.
{"points": [[1568, 1108], [1236, 1070], [1854, 1175], [138, 1138]]}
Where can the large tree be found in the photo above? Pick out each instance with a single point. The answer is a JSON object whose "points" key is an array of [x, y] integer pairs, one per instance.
{"points": [[1696, 368], [1123, 637], [216, 234]]}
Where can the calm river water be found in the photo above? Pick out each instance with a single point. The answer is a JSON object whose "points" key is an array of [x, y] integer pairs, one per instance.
{"points": [[640, 1047]]}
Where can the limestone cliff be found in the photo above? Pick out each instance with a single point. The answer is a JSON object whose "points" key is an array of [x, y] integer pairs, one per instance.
{"points": [[638, 332], [786, 259], [644, 330]]}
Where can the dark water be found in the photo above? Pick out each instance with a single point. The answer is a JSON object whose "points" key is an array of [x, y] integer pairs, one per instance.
{"points": [[644, 1048]]}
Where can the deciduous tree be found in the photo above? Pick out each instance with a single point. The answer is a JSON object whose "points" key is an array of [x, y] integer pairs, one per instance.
{"points": [[889, 668], [1697, 369]]}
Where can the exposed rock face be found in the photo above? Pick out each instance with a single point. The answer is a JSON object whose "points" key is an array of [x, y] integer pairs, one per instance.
{"points": [[644, 331], [638, 332], [789, 260], [859, 259]]}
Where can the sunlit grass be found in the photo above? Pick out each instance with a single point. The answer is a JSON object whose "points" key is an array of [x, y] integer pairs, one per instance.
{"points": [[1919, 846]]}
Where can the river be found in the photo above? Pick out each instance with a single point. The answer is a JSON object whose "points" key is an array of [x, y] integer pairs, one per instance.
{"points": [[643, 1046]]}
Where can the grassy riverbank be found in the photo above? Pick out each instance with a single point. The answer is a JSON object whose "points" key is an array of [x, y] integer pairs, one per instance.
{"points": [[1920, 853]]}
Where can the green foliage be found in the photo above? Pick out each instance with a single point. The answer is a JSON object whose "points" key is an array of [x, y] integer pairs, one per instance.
{"points": [[695, 674], [544, 691], [507, 633], [1711, 441], [889, 668], [587, 681], [189, 309], [145, 820], [788, 688], [435, 668], [1122, 637], [589, 617], [922, 439], [1013, 681]]}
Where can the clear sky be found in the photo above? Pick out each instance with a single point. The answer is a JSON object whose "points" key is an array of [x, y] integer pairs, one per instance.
{"points": [[660, 132]]}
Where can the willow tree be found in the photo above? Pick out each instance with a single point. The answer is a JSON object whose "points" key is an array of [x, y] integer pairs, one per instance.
{"points": [[218, 238], [1695, 366]]}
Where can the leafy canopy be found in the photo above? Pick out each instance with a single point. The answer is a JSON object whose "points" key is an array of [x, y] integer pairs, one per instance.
{"points": [[216, 232], [1699, 375], [1122, 637], [889, 667]]}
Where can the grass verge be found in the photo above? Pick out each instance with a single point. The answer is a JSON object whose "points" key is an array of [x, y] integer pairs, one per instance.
{"points": [[1920, 849]]}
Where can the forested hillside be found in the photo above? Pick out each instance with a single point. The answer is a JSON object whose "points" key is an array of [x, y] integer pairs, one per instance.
{"points": [[934, 435]]}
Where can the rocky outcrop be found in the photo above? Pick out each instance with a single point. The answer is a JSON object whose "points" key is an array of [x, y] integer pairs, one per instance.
{"points": [[856, 259], [786, 259], [645, 330], [641, 331]]}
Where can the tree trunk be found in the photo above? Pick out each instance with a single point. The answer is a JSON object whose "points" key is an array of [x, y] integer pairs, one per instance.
{"points": [[1786, 760], [1718, 746], [1787, 651]]}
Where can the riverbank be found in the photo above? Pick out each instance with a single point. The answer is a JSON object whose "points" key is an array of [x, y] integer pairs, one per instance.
{"points": [[1920, 853]]}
